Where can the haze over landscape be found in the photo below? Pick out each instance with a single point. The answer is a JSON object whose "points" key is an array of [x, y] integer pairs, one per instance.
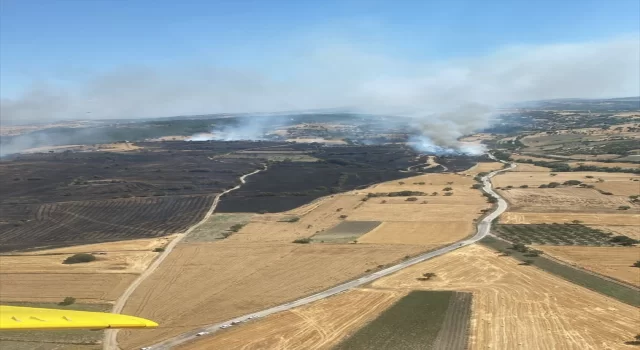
{"points": [[446, 175]]}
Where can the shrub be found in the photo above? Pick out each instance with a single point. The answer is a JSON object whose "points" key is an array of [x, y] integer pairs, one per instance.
{"points": [[79, 258], [411, 199], [302, 240], [636, 264], [236, 227], [448, 194], [476, 186], [509, 187], [524, 186], [624, 207], [543, 186], [67, 301], [401, 183], [293, 219], [553, 184], [343, 216], [447, 189], [159, 250], [519, 247], [572, 182], [589, 176], [434, 193]]}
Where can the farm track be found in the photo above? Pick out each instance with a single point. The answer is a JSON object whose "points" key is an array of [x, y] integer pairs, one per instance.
{"points": [[110, 338], [483, 229]]}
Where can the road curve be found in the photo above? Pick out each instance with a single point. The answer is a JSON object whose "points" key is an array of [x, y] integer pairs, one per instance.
{"points": [[482, 230], [110, 341]]}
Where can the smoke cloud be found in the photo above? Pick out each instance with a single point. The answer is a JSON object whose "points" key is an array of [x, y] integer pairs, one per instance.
{"points": [[446, 99]]}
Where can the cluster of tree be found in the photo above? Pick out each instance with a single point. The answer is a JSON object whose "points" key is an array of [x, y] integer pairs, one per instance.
{"points": [[396, 194], [564, 167], [302, 240], [79, 258]]}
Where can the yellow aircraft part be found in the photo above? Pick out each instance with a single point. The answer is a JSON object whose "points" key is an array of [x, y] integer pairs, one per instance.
{"points": [[15, 317]]}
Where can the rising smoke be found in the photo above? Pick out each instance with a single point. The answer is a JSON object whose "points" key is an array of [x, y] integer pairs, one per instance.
{"points": [[445, 99]]}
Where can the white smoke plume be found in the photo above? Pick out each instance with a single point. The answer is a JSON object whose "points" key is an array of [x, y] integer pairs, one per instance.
{"points": [[447, 99]]}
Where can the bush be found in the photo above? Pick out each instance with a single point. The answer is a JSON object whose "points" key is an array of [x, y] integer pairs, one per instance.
{"points": [[624, 207], [411, 199], [447, 189], [159, 250], [448, 194], [636, 264], [293, 219], [236, 227], [79, 258], [572, 182], [343, 216], [302, 240], [67, 301], [524, 186], [476, 186], [553, 184], [543, 186]]}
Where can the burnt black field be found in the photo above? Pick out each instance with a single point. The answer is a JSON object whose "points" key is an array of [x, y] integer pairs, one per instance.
{"points": [[287, 185], [70, 198]]}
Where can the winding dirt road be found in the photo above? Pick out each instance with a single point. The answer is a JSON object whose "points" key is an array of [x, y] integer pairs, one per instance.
{"points": [[483, 229], [110, 337]]}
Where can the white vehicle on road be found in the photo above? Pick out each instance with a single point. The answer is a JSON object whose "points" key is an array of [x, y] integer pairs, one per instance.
{"points": [[199, 334]]}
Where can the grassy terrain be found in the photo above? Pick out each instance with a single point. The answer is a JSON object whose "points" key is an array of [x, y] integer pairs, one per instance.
{"points": [[218, 226], [412, 323], [579, 277], [553, 234], [346, 231], [54, 339]]}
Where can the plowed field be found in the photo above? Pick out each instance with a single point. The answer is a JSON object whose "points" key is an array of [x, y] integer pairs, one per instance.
{"points": [[584, 218], [568, 199], [615, 262], [521, 307], [202, 283], [316, 326]]}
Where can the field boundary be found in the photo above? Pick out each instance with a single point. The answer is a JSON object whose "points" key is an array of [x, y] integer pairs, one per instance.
{"points": [[585, 279], [110, 337]]}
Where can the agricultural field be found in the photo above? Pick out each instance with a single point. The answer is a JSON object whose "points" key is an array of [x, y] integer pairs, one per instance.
{"points": [[534, 179], [40, 276], [588, 219], [553, 234], [71, 223], [629, 231], [319, 325], [616, 262], [287, 185], [522, 307], [346, 231], [416, 322], [53, 340], [218, 226], [54, 287], [524, 167], [563, 199], [484, 167], [239, 278], [421, 233]]}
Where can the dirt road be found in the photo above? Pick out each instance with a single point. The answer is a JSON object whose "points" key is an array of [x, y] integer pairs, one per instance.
{"points": [[110, 337]]}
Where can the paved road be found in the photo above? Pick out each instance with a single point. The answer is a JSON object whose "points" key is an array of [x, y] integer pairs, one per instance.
{"points": [[483, 230], [110, 337]]}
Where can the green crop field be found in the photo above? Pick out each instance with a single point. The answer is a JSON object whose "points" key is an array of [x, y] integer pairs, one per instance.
{"points": [[553, 234], [414, 322]]}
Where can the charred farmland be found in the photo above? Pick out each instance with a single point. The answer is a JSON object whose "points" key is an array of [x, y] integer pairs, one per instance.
{"points": [[286, 185]]}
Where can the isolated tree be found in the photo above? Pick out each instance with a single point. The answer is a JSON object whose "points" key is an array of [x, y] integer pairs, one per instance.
{"points": [[428, 275], [79, 258], [447, 189], [67, 301], [636, 264]]}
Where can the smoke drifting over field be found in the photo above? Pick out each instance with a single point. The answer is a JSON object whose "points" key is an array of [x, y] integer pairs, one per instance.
{"points": [[446, 99]]}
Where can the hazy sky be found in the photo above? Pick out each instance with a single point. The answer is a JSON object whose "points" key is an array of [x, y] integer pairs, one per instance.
{"points": [[63, 59]]}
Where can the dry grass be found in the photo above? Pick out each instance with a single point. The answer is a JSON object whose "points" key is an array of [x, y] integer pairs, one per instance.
{"points": [[560, 218], [622, 188], [605, 165], [316, 326], [318, 216], [615, 262], [203, 283], [568, 199], [53, 287], [629, 231], [453, 212], [420, 233], [521, 307], [484, 167], [41, 277], [536, 179], [524, 167]]}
